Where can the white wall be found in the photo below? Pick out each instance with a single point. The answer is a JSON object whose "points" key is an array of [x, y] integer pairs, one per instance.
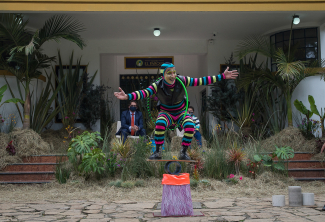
{"points": [[195, 58]]}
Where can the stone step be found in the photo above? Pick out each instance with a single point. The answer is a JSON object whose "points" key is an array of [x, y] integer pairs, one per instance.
{"points": [[292, 164], [315, 172], [27, 176], [26, 182], [16, 167], [45, 158], [322, 179]]}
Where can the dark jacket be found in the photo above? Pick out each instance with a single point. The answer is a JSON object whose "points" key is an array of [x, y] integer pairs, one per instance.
{"points": [[168, 97], [126, 121]]}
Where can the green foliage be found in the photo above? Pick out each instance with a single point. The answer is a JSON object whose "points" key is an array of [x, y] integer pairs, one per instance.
{"points": [[62, 174], [93, 162], [273, 109], [321, 114], [224, 97], [117, 183], [308, 127], [70, 95], [113, 163], [194, 183], [127, 184], [139, 183], [13, 100], [138, 166], [302, 108], [84, 142], [284, 153], [21, 49], [92, 102]]}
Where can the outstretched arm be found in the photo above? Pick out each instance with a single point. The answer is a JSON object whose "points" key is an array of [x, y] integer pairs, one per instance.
{"points": [[210, 79], [152, 89]]}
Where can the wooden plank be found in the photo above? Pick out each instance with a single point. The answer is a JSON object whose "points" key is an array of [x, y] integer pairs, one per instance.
{"points": [[189, 161]]}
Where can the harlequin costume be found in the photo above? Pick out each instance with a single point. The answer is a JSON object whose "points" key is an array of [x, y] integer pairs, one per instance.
{"points": [[172, 106]]}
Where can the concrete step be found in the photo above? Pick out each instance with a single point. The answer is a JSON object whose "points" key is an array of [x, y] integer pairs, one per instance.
{"points": [[306, 173], [26, 176], [16, 167]]}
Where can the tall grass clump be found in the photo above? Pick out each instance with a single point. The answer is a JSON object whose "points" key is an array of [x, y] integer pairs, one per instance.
{"points": [[137, 165]]}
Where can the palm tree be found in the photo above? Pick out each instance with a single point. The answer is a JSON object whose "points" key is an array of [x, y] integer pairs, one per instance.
{"points": [[21, 52], [290, 71]]}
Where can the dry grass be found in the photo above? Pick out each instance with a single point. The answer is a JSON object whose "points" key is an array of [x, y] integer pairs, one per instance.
{"points": [[265, 185], [292, 137], [26, 142]]}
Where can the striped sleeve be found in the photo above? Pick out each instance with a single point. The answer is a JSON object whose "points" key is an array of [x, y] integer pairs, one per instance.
{"points": [[206, 80], [197, 122], [152, 89]]}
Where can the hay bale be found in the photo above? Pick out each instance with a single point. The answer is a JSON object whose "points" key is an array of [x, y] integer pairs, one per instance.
{"points": [[289, 136], [5, 158], [27, 142], [55, 139]]}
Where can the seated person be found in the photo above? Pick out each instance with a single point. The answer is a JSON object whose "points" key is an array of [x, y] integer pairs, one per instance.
{"points": [[131, 122], [197, 134]]}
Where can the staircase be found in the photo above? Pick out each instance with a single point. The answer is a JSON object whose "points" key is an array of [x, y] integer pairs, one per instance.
{"points": [[302, 168], [34, 169]]}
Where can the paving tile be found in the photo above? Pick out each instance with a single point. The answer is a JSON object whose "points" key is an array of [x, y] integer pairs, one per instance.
{"points": [[218, 204], [317, 218], [95, 216], [125, 202], [91, 211], [259, 220], [234, 218]]}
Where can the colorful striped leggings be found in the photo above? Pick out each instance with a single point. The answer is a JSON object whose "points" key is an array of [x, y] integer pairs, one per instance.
{"points": [[165, 120]]}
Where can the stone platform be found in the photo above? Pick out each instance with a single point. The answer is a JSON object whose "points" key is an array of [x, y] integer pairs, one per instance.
{"points": [[233, 209]]}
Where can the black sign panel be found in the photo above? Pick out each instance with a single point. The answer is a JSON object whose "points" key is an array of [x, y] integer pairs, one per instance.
{"points": [[146, 62]]}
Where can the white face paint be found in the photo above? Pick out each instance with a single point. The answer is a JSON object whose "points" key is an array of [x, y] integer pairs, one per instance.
{"points": [[170, 75]]}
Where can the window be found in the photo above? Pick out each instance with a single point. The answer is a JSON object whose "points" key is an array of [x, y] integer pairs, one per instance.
{"points": [[305, 40], [134, 82]]}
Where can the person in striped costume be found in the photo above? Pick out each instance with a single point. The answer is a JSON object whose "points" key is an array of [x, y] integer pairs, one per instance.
{"points": [[172, 104]]}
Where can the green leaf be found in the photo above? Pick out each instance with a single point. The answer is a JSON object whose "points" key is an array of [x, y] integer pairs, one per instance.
{"points": [[279, 166], [14, 100], [3, 89], [284, 153], [257, 158], [313, 106]]}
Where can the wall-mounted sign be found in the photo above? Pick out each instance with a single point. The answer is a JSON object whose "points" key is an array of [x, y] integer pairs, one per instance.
{"points": [[151, 62]]}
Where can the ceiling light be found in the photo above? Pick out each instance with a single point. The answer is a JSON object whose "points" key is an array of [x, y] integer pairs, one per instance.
{"points": [[156, 32], [296, 19]]}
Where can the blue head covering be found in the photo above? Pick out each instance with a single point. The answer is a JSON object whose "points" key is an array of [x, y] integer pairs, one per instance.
{"points": [[164, 66]]}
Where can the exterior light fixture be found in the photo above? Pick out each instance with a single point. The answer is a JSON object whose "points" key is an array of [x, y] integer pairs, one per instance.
{"points": [[296, 19], [156, 32]]}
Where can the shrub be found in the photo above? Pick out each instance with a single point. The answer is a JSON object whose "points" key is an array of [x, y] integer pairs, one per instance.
{"points": [[194, 183], [127, 184], [138, 166], [62, 174], [93, 162], [139, 183]]}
